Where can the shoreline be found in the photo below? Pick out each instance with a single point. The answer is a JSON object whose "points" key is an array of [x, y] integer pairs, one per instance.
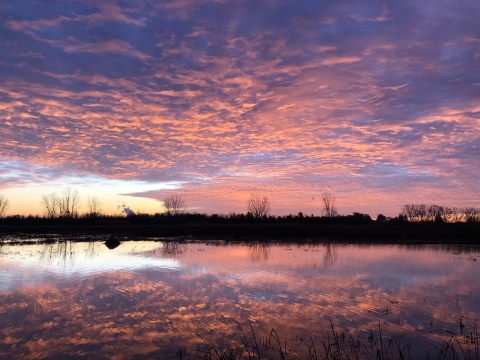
{"points": [[395, 233]]}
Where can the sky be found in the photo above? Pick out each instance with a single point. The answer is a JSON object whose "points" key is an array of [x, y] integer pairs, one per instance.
{"points": [[377, 102]]}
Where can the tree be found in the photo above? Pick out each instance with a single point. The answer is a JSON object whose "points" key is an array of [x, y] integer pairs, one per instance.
{"points": [[415, 212], [420, 212], [258, 206], [457, 214], [94, 206], [174, 204], [69, 203], [4, 203], [436, 213], [408, 211], [382, 218], [447, 214], [61, 206], [51, 205], [472, 214], [329, 204]]}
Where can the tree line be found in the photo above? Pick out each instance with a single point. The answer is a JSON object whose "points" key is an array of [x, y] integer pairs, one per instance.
{"points": [[437, 213], [66, 205]]}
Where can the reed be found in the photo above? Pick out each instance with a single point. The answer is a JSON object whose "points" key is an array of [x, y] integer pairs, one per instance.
{"points": [[335, 345]]}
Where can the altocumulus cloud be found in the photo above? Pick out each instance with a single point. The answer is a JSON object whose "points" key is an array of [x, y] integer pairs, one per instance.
{"points": [[368, 99]]}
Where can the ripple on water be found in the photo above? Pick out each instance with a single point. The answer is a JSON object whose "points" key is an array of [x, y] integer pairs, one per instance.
{"points": [[67, 297]]}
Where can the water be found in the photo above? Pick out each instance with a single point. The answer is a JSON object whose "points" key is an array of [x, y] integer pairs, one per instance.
{"points": [[143, 299]]}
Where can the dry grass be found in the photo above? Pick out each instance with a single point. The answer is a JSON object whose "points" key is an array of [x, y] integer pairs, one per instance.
{"points": [[335, 345]]}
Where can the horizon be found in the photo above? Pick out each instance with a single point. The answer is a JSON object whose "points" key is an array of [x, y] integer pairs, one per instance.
{"points": [[374, 102]]}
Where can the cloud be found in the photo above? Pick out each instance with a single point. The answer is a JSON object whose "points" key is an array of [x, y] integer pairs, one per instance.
{"points": [[341, 60], [188, 90], [106, 47], [105, 11]]}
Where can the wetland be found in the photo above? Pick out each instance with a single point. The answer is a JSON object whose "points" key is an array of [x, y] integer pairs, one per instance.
{"points": [[153, 298]]}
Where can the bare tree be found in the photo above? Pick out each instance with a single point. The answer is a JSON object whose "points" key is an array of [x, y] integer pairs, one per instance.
{"points": [[174, 204], [69, 203], [420, 212], [457, 214], [51, 205], [408, 211], [435, 212], [329, 204], [416, 212], [447, 214], [258, 205], [94, 206], [472, 214], [4, 203]]}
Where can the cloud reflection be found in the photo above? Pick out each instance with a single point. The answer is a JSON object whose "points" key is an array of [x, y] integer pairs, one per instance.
{"points": [[146, 309]]}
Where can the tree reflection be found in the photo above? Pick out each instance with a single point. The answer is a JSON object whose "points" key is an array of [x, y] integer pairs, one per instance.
{"points": [[90, 252], [330, 257], [258, 251], [172, 250], [61, 251]]}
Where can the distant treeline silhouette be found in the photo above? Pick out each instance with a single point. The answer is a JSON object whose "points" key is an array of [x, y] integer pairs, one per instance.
{"points": [[437, 213], [356, 227], [415, 223], [182, 218], [410, 213]]}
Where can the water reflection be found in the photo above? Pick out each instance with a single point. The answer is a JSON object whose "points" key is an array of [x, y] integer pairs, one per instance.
{"points": [[330, 257], [259, 251], [142, 298], [172, 249]]}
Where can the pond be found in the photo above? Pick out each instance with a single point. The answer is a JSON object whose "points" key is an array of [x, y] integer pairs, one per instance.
{"points": [[148, 299]]}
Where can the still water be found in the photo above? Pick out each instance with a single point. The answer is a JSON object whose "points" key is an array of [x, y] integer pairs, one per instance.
{"points": [[146, 299]]}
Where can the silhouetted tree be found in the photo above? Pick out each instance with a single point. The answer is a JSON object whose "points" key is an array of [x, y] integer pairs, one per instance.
{"points": [[415, 212], [4, 203], [359, 217], [329, 204], [51, 205], [408, 211], [174, 204], [94, 206], [258, 206], [381, 218], [421, 212], [472, 214], [457, 214], [69, 203], [447, 215], [435, 213], [66, 205]]}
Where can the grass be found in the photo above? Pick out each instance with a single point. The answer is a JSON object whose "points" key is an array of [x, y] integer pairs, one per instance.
{"points": [[336, 345]]}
